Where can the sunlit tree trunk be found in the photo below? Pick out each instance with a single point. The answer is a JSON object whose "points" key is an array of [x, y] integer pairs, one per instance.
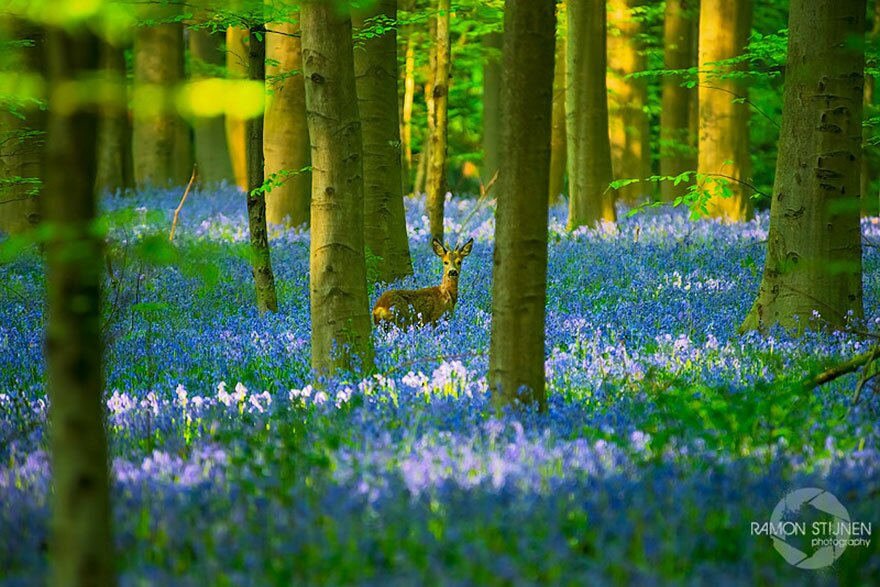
{"points": [[286, 140], [207, 58], [435, 182], [586, 104], [341, 323], [519, 283], [264, 278], [723, 158], [376, 78], [409, 90], [814, 253], [237, 68], [557, 134], [870, 200], [81, 545], [677, 143], [491, 105], [627, 98], [161, 147], [21, 139]]}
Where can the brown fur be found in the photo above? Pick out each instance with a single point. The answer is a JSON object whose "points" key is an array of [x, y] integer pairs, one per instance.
{"points": [[404, 307]]}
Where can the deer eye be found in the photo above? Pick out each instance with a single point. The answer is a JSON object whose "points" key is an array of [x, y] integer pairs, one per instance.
{"points": [[446, 262]]}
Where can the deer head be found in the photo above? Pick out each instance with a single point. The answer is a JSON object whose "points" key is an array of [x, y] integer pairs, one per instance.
{"points": [[452, 259]]}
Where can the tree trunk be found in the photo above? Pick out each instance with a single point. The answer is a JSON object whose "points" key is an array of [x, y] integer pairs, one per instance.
{"points": [[409, 90], [376, 77], [586, 104], [723, 159], [287, 134], [628, 121], [21, 141], [814, 254], [870, 200], [491, 105], [677, 143], [211, 149], [557, 134], [435, 182], [81, 546], [341, 324], [237, 68], [115, 164], [264, 278], [161, 147], [519, 283]]}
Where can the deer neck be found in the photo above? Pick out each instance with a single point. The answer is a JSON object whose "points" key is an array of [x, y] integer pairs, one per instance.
{"points": [[449, 285]]}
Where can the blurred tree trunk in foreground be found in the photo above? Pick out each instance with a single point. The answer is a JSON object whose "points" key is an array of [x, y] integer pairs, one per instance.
{"points": [[211, 150], [376, 78], [286, 139], [162, 147], [814, 250], [723, 158], [678, 146], [237, 68], [435, 182], [264, 278], [586, 105], [519, 283], [81, 546], [628, 121], [341, 322], [21, 137]]}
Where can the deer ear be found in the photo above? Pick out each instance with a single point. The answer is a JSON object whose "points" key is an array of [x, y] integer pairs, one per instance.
{"points": [[438, 247], [466, 248]]}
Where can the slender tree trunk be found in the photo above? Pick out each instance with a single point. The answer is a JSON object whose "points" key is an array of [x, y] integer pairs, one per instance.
{"points": [[557, 134], [435, 182], [814, 253], [341, 323], [586, 104], [870, 200], [376, 76], [409, 90], [519, 283], [723, 159], [81, 546], [491, 105], [419, 186], [211, 150], [677, 141], [115, 164], [628, 121], [237, 68], [161, 151], [264, 278]]}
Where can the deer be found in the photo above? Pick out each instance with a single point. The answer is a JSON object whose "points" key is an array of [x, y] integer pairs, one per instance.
{"points": [[405, 307]]}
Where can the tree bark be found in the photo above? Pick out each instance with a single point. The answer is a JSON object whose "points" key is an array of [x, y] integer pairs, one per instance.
{"points": [[491, 105], [287, 134], [115, 163], [264, 278], [409, 89], [814, 254], [81, 545], [161, 146], [558, 144], [237, 68], [21, 140], [211, 149], [341, 323], [628, 122], [519, 283], [678, 145], [376, 78], [436, 182], [724, 124], [586, 104]]}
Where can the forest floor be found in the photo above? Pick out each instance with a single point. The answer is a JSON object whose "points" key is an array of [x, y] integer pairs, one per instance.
{"points": [[668, 434]]}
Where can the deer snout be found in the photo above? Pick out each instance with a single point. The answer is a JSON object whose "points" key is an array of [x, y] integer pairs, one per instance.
{"points": [[453, 273]]}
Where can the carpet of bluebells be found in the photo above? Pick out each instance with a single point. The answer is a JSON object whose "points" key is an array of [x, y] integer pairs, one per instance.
{"points": [[667, 433]]}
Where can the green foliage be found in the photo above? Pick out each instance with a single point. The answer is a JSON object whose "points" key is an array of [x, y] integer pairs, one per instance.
{"points": [[277, 179]]}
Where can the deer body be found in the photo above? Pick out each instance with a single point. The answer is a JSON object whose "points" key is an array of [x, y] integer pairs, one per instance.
{"points": [[404, 307]]}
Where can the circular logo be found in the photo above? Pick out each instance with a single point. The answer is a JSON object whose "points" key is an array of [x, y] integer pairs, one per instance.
{"points": [[790, 506]]}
